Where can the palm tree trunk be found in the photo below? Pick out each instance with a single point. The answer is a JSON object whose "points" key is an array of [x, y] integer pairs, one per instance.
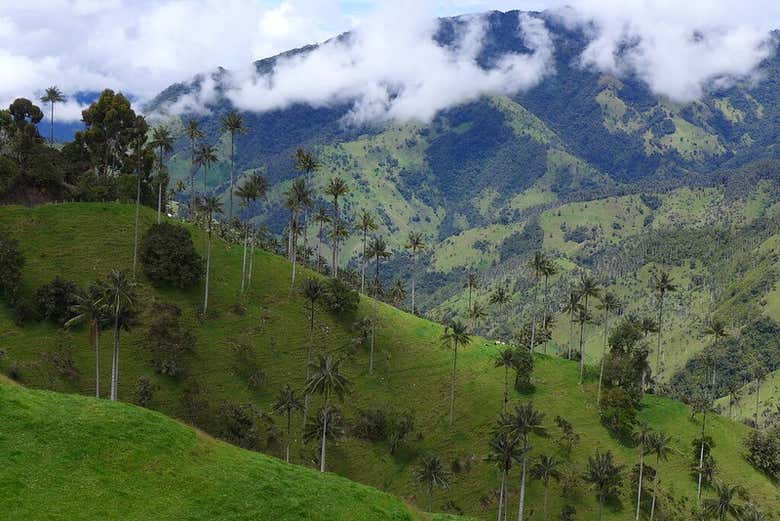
{"points": [[363, 266], [192, 179], [660, 328], [501, 493], [115, 359], [334, 253], [546, 497], [208, 271], [51, 120], [544, 316], [506, 387], [137, 213], [325, 413], [571, 333], [452, 380], [308, 364], [243, 262], [414, 271], [601, 506], [603, 354], [582, 350], [469, 297], [97, 361], [639, 491], [533, 315], [430, 497], [701, 456], [232, 167], [758, 400], [521, 507], [655, 488], [251, 261], [287, 449], [159, 201]]}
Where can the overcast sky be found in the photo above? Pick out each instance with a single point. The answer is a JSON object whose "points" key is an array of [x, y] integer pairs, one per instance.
{"points": [[142, 46]]}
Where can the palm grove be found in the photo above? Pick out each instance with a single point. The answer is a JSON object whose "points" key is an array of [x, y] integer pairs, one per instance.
{"points": [[119, 156]]}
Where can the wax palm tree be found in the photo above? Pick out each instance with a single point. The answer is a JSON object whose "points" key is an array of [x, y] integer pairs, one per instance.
{"points": [[339, 233], [52, 96], [312, 291], [299, 197], [582, 318], [232, 123], [588, 289], [321, 218], [455, 336], [717, 330], [643, 438], [471, 284], [660, 447], [260, 191], [193, 133], [248, 193], [327, 380], [572, 307], [432, 474], [90, 308], [397, 292], [365, 224], [476, 314], [307, 163], [416, 244], [504, 450], [545, 469], [506, 359], [538, 264], [500, 297], [210, 207], [377, 250], [701, 405], [119, 299], [139, 139], [759, 372], [609, 303], [751, 512], [205, 156], [605, 476], [524, 421], [662, 284], [550, 269], [336, 188], [287, 403], [724, 504], [162, 140], [734, 394]]}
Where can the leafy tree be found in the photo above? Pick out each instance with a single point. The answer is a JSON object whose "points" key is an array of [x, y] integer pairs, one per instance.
{"points": [[327, 379], [504, 450], [144, 391], [605, 476], [763, 451], [336, 188], [569, 437], [193, 133], [168, 341], [454, 336], [523, 364], [567, 513], [608, 303], [524, 421], [52, 95], [723, 505], [287, 403], [545, 469], [55, 299], [11, 264], [23, 128], [588, 289], [120, 301], [162, 141], [431, 473], [312, 291], [365, 224], [233, 124], [111, 128], [209, 207], [169, 257], [659, 445], [415, 243], [90, 308], [662, 284]]}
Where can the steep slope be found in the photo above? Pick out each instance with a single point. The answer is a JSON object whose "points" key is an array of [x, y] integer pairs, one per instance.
{"points": [[83, 241], [77, 458]]}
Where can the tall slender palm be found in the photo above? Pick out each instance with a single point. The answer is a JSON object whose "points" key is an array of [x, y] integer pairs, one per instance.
{"points": [[119, 299], [759, 372], [307, 163], [90, 308], [506, 359], [642, 437], [52, 96], [210, 207], [605, 476], [377, 250], [431, 473], [205, 156], [299, 197], [717, 330], [313, 291], [504, 450], [609, 303], [327, 379], [287, 403], [260, 190], [193, 133], [397, 292], [416, 244], [545, 469], [572, 307], [365, 224], [588, 289], [471, 284], [538, 264], [139, 139], [500, 297], [162, 140], [660, 446], [550, 269], [662, 284], [476, 314], [723, 505], [248, 193], [232, 123], [523, 422], [703, 405], [455, 336], [339, 233], [321, 218], [336, 188]]}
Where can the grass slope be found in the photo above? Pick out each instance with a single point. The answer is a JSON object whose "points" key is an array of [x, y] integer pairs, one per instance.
{"points": [[83, 241], [75, 458]]}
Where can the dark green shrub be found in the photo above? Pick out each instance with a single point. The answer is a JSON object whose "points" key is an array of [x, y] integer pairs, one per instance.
{"points": [[340, 298], [169, 257], [11, 263], [763, 451], [168, 341], [53, 301], [618, 412]]}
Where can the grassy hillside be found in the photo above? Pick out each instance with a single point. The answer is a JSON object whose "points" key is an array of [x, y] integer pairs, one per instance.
{"points": [[83, 241], [75, 458]]}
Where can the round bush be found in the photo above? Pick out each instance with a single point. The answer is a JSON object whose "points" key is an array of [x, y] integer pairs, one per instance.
{"points": [[169, 257]]}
